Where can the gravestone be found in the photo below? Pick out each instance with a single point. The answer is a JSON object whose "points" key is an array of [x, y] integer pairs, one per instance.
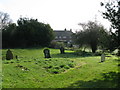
{"points": [[9, 55], [62, 50], [16, 57], [102, 57], [47, 53]]}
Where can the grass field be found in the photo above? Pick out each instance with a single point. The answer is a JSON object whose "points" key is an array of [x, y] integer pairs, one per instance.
{"points": [[68, 70]]}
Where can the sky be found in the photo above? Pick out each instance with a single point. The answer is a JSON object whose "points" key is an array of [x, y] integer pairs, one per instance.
{"points": [[60, 14]]}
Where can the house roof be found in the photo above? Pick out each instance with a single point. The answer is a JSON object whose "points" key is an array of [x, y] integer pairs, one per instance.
{"points": [[63, 33]]}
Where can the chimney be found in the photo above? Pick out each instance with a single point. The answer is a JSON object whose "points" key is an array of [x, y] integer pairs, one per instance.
{"points": [[65, 29], [71, 30]]}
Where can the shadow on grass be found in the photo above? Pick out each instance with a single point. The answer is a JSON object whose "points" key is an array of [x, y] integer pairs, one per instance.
{"points": [[110, 80], [73, 55], [69, 55], [66, 55]]}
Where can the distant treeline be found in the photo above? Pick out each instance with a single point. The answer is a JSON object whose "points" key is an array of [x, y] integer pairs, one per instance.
{"points": [[26, 33]]}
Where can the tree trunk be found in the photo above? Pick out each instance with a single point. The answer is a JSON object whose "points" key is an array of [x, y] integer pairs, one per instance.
{"points": [[94, 47]]}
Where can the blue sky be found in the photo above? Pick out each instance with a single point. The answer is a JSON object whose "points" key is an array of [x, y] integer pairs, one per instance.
{"points": [[59, 14]]}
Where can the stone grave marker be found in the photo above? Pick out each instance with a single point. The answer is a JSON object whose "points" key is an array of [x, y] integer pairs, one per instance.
{"points": [[62, 50], [103, 57], [16, 57], [47, 53], [9, 55]]}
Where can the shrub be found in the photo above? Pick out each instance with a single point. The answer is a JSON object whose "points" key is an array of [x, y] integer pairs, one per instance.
{"points": [[53, 44], [56, 45], [98, 54]]}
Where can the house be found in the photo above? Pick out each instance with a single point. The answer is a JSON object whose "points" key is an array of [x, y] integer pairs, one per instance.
{"points": [[63, 36]]}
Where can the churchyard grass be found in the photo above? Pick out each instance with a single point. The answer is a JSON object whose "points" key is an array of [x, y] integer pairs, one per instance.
{"points": [[68, 70]]}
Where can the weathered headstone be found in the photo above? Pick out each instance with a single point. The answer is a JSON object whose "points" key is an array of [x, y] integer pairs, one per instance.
{"points": [[16, 57], [62, 50], [47, 53], [102, 57], [9, 55]]}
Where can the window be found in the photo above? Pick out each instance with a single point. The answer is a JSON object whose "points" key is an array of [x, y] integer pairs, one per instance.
{"points": [[64, 36]]}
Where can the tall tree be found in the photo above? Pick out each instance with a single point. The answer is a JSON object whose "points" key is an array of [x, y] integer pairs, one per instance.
{"points": [[106, 40], [28, 33], [112, 13], [8, 34], [32, 33], [89, 35]]}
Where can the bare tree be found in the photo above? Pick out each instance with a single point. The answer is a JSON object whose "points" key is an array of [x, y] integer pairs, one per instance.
{"points": [[4, 20]]}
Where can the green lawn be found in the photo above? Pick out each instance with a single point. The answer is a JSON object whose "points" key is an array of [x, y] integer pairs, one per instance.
{"points": [[61, 71]]}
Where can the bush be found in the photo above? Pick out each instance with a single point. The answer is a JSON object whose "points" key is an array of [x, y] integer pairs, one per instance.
{"points": [[98, 54], [53, 44], [56, 45]]}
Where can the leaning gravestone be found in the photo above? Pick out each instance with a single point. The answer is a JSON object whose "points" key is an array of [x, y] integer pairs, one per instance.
{"points": [[47, 53], [102, 57], [62, 50], [9, 55]]}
